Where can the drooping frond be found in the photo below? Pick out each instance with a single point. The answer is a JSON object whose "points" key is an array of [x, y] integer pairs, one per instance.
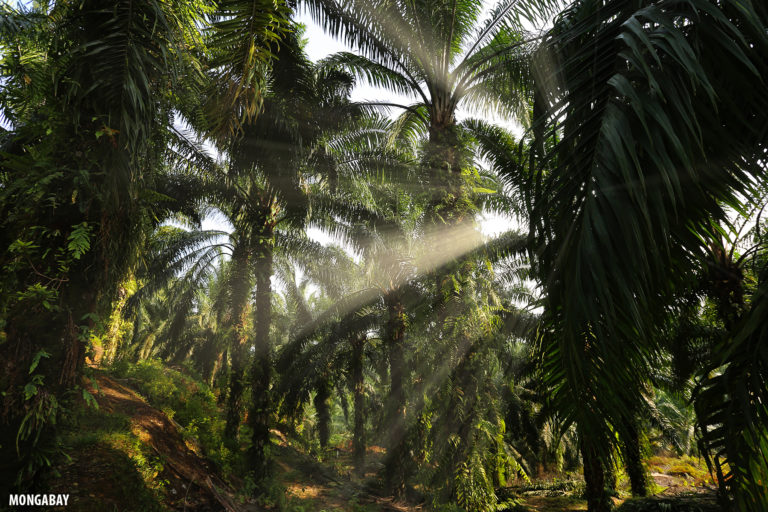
{"points": [[372, 72], [651, 140], [243, 35], [731, 405]]}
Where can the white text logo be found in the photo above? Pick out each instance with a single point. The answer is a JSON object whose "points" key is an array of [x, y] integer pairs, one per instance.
{"points": [[38, 500]]}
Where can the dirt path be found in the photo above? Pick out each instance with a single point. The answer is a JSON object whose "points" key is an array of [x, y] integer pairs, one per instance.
{"points": [[316, 486], [103, 477], [185, 472]]}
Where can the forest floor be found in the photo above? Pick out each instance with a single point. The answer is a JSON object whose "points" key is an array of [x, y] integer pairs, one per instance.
{"points": [[126, 455]]}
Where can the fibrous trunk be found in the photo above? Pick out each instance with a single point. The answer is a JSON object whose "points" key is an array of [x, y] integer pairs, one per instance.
{"points": [[238, 350], [359, 395], [396, 464], [261, 403], [322, 406], [443, 164], [594, 480], [633, 462], [236, 378]]}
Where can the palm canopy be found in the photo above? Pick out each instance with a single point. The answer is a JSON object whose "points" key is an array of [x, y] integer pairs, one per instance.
{"points": [[441, 52], [447, 55], [242, 36]]}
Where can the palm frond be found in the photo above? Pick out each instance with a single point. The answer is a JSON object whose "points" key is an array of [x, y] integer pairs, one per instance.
{"points": [[641, 110]]}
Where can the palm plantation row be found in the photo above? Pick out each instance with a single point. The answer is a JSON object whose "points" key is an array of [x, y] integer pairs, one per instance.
{"points": [[631, 286]]}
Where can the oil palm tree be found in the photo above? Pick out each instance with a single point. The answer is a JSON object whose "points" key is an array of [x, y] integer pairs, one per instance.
{"points": [[184, 262], [327, 344], [443, 55], [187, 319], [267, 136], [634, 109], [87, 93], [307, 103]]}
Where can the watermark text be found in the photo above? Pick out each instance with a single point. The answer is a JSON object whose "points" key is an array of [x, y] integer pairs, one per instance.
{"points": [[38, 500]]}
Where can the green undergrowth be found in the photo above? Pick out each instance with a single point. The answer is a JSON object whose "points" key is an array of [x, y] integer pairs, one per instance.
{"points": [[555, 487], [183, 397], [692, 469]]}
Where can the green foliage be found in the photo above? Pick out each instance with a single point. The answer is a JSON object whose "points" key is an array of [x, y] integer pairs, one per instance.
{"points": [[79, 240], [87, 95], [185, 399], [626, 197], [646, 140]]}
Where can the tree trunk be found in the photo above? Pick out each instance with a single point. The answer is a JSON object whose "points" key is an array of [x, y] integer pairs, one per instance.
{"points": [[221, 399], [322, 406], [633, 462], [236, 379], [238, 351], [594, 479], [210, 360], [396, 339], [397, 452], [443, 162], [358, 391], [261, 403]]}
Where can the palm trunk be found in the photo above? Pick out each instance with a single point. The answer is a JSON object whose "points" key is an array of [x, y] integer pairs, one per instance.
{"points": [[261, 403], [236, 376], [444, 163], [30, 333], [222, 397], [396, 356], [358, 391], [322, 406], [594, 479], [633, 461], [211, 358], [238, 354], [396, 463]]}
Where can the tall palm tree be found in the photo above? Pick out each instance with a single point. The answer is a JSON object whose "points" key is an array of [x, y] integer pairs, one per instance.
{"points": [[266, 137], [641, 138], [87, 90], [445, 57], [306, 103], [442, 54]]}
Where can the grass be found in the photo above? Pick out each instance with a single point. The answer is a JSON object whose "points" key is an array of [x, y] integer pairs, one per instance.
{"points": [[691, 470]]}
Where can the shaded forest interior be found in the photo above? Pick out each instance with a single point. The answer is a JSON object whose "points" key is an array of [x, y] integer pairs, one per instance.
{"points": [[229, 284]]}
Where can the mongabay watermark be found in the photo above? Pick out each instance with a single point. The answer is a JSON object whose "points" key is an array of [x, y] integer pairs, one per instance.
{"points": [[38, 500]]}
